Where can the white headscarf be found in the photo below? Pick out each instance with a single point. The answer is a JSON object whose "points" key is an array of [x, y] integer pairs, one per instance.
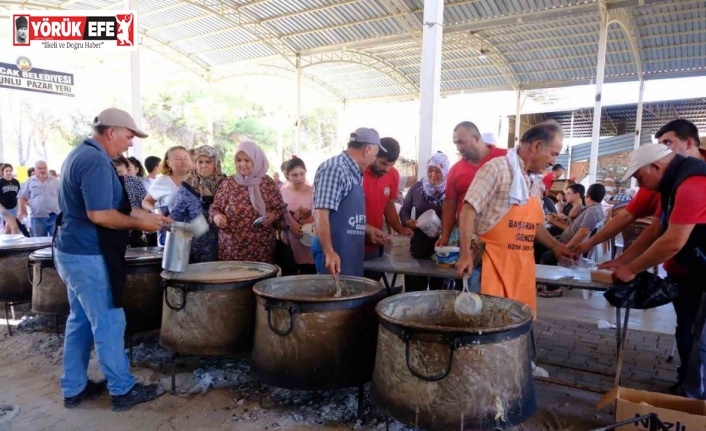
{"points": [[436, 192]]}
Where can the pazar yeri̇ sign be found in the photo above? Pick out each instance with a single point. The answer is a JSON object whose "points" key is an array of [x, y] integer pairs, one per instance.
{"points": [[74, 30], [22, 76]]}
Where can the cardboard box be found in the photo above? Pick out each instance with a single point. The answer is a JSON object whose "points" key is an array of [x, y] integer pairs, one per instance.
{"points": [[559, 186], [677, 413], [602, 276]]}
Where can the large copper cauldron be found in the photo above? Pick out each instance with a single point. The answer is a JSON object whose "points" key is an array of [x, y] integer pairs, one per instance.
{"points": [[14, 249], [306, 338], [436, 371], [142, 296], [210, 308]]}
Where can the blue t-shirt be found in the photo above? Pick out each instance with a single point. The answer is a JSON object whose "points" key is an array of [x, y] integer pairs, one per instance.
{"points": [[88, 183]]}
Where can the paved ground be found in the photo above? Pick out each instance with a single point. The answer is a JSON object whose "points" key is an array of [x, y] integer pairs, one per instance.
{"points": [[31, 365]]}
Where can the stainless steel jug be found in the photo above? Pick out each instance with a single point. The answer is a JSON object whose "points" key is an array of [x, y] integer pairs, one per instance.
{"points": [[177, 248]]}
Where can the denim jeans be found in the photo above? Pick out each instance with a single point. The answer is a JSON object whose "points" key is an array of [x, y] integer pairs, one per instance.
{"points": [[44, 226], [93, 321]]}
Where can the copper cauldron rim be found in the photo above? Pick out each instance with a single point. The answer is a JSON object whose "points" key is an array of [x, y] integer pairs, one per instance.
{"points": [[295, 298], [525, 309], [268, 271]]}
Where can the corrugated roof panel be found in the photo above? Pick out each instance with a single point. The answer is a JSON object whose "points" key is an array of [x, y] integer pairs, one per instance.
{"points": [[671, 35], [184, 11]]}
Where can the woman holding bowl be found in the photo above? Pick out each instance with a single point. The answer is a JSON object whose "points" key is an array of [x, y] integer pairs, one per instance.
{"points": [[245, 208]]}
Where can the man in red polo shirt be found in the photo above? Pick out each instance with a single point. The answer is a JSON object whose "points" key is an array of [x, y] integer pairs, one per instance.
{"points": [[682, 137], [474, 154], [381, 183], [555, 174]]}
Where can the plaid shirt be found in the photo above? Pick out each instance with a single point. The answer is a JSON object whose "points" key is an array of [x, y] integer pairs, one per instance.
{"points": [[334, 180], [489, 192], [621, 197]]}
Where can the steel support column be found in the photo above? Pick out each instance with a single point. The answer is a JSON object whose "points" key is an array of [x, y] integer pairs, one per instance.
{"points": [[518, 120], [638, 123], [600, 73], [571, 135], [298, 132], [430, 86]]}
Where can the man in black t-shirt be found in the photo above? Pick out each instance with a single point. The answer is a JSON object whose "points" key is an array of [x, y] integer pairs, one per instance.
{"points": [[9, 187]]}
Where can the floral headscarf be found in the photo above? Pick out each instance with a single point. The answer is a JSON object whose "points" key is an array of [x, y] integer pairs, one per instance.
{"points": [[206, 186], [259, 170], [436, 192]]}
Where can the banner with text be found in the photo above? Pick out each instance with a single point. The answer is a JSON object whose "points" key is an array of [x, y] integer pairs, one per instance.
{"points": [[22, 76], [74, 30]]}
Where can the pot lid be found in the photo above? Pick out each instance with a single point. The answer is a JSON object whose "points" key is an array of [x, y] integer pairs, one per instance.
{"points": [[222, 272], [10, 243]]}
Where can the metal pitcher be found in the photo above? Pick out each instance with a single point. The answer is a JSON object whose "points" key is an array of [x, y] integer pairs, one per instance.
{"points": [[177, 248]]}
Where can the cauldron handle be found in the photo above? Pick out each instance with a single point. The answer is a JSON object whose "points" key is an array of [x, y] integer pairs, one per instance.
{"points": [[166, 286], [30, 274], [291, 309], [406, 337]]}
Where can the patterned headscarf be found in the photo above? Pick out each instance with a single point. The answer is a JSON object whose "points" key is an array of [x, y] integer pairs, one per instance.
{"points": [[436, 192], [206, 186], [259, 170]]}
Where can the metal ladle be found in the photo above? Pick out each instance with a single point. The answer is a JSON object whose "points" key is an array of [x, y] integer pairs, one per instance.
{"points": [[467, 302]]}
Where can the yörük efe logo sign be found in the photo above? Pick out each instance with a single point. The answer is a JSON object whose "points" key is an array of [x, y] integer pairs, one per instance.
{"points": [[67, 29]]}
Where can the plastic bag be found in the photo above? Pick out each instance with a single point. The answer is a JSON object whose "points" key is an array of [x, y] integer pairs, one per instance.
{"points": [[645, 291]]}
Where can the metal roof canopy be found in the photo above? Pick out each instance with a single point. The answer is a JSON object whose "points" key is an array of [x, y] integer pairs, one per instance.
{"points": [[619, 119], [370, 49]]}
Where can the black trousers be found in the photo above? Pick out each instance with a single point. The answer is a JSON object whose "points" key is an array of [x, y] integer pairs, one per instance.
{"points": [[686, 305]]}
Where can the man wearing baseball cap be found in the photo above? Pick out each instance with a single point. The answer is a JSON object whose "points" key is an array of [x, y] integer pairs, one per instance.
{"points": [[339, 207], [681, 240], [682, 137], [91, 241]]}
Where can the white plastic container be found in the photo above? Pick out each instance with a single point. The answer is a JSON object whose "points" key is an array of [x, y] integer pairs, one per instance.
{"points": [[447, 255], [429, 223]]}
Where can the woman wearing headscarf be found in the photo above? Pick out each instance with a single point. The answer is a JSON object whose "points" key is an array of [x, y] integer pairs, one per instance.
{"points": [[242, 199], [195, 196], [427, 194]]}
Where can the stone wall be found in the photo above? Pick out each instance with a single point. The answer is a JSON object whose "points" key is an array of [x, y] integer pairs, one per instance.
{"points": [[612, 166]]}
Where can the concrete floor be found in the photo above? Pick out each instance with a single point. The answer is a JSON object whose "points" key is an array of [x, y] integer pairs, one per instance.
{"points": [[590, 307], [573, 306]]}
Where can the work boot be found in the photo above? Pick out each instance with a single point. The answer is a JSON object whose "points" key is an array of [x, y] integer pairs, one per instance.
{"points": [[92, 390], [137, 395]]}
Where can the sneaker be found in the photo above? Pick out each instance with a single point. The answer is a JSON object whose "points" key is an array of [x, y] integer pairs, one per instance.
{"points": [[137, 395], [92, 390]]}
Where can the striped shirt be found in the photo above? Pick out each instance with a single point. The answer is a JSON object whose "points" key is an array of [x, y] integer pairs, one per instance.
{"points": [[334, 179], [489, 192]]}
